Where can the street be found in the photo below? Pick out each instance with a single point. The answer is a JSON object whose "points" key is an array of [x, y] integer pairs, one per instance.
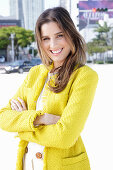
{"points": [[97, 134]]}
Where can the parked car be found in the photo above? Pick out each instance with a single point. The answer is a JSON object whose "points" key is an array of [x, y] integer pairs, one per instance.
{"points": [[2, 59], [36, 61], [28, 64], [19, 65], [11, 66]]}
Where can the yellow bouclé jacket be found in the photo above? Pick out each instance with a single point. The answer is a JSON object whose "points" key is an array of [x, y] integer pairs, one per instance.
{"points": [[64, 148]]}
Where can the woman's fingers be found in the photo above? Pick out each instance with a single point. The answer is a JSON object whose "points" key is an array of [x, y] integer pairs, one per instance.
{"points": [[18, 105], [50, 119], [22, 103], [14, 106]]}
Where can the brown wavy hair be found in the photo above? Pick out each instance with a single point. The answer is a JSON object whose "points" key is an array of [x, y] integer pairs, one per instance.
{"points": [[77, 55]]}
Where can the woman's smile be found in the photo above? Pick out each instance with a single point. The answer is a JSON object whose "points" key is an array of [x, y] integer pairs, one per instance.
{"points": [[56, 52]]}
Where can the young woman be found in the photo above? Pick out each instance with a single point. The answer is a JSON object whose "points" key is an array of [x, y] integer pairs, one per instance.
{"points": [[51, 107]]}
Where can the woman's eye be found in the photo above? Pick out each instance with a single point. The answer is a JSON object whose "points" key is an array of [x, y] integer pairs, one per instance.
{"points": [[60, 35], [44, 39]]}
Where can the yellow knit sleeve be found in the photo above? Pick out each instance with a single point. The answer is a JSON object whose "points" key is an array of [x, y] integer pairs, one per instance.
{"points": [[14, 121], [65, 132]]}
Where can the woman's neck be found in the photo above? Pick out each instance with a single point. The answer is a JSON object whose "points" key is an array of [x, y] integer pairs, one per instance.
{"points": [[54, 70]]}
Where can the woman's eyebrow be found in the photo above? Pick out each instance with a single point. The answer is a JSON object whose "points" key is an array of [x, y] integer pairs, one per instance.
{"points": [[58, 33], [54, 34]]}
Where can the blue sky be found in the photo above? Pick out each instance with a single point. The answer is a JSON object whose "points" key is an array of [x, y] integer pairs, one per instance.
{"points": [[4, 8]]}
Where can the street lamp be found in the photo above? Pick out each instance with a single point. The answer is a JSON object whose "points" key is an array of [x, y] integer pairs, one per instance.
{"points": [[12, 45]]}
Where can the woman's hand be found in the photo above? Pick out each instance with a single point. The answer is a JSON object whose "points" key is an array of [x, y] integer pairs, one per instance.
{"points": [[18, 105], [46, 119]]}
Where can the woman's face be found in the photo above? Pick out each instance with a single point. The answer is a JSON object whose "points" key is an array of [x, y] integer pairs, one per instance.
{"points": [[54, 43]]}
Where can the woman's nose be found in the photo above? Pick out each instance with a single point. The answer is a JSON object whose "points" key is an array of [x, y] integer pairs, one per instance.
{"points": [[53, 43]]}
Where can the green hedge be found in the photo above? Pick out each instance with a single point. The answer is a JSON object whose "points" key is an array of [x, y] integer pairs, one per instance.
{"points": [[99, 62], [109, 62]]}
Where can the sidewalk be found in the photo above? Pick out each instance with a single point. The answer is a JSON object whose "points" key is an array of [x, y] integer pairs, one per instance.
{"points": [[97, 134]]}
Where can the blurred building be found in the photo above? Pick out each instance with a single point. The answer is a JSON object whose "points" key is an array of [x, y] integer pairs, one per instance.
{"points": [[66, 4], [90, 13], [8, 21], [32, 10], [13, 8], [16, 10], [51, 3], [27, 11], [72, 7]]}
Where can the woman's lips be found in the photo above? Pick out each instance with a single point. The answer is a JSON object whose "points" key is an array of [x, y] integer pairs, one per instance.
{"points": [[56, 52]]}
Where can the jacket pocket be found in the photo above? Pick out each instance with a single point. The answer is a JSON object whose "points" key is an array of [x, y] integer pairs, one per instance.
{"points": [[79, 162]]}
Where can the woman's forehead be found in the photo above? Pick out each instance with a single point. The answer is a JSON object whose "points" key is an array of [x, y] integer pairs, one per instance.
{"points": [[50, 27]]}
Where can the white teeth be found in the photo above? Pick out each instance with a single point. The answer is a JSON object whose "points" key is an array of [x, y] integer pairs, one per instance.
{"points": [[55, 52]]}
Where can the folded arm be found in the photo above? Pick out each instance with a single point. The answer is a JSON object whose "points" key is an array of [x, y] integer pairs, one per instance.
{"points": [[16, 118], [66, 131], [16, 121]]}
